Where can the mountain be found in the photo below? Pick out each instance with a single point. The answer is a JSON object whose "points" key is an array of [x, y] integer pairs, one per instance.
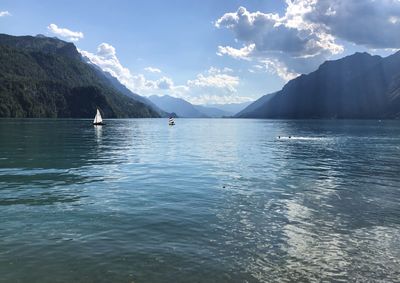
{"points": [[230, 108], [255, 105], [125, 91], [181, 107], [212, 112], [184, 109], [47, 77], [359, 86]]}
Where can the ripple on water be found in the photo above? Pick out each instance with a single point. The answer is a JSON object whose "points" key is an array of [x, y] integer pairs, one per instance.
{"points": [[205, 201]]}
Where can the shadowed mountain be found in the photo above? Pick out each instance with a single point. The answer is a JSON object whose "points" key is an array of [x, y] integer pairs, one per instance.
{"points": [[46, 77], [359, 86]]}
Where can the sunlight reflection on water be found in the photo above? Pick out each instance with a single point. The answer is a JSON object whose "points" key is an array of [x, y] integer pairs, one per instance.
{"points": [[205, 201]]}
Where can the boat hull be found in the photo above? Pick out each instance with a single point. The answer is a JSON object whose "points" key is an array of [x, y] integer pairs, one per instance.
{"points": [[99, 124]]}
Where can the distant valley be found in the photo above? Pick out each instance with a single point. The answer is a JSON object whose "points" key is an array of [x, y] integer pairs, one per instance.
{"points": [[184, 109]]}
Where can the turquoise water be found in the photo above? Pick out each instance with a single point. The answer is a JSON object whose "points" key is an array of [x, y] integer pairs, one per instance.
{"points": [[203, 201]]}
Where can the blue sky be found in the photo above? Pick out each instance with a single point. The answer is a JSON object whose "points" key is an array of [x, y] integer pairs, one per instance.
{"points": [[210, 51]]}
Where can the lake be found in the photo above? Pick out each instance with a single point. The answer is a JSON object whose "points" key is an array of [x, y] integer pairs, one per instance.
{"points": [[207, 200]]}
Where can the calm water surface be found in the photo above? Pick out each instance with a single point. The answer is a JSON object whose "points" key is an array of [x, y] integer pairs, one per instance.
{"points": [[203, 201]]}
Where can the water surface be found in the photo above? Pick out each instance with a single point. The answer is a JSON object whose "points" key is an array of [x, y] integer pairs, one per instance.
{"points": [[208, 200]]}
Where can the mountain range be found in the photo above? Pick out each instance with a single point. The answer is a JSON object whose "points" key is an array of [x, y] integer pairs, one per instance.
{"points": [[47, 77], [360, 86], [185, 109], [179, 106]]}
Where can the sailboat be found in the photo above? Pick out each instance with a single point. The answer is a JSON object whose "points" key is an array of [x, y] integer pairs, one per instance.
{"points": [[171, 121], [98, 121]]}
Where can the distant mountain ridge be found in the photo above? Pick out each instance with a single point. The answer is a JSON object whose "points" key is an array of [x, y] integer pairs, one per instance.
{"points": [[185, 109], [124, 90], [46, 77], [181, 107], [360, 86], [212, 112], [230, 108]]}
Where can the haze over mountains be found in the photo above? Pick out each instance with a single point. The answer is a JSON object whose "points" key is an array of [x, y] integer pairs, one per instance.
{"points": [[359, 86], [184, 109], [180, 107]]}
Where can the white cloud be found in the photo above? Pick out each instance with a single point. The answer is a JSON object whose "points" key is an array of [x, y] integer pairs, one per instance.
{"points": [[308, 31], [4, 13], [267, 32], [311, 27], [370, 23], [394, 20], [225, 82], [214, 70], [217, 99], [106, 59], [242, 53], [281, 41], [66, 33], [152, 70], [165, 83], [215, 85], [275, 66]]}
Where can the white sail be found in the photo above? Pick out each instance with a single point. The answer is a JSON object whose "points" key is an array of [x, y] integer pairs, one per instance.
{"points": [[98, 118]]}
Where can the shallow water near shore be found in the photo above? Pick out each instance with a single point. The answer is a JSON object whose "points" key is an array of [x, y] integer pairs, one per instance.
{"points": [[206, 200]]}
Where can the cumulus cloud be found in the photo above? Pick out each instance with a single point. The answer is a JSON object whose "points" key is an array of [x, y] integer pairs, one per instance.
{"points": [[279, 42], [220, 81], [152, 70], [66, 33], [216, 85], [165, 83], [275, 66], [217, 99], [106, 58], [242, 53], [266, 32], [309, 29], [4, 13], [371, 23], [307, 33]]}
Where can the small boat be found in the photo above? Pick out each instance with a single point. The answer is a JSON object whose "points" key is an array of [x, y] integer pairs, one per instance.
{"points": [[171, 121], [98, 121]]}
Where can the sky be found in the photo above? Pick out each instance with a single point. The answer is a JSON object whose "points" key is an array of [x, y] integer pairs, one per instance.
{"points": [[210, 52]]}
